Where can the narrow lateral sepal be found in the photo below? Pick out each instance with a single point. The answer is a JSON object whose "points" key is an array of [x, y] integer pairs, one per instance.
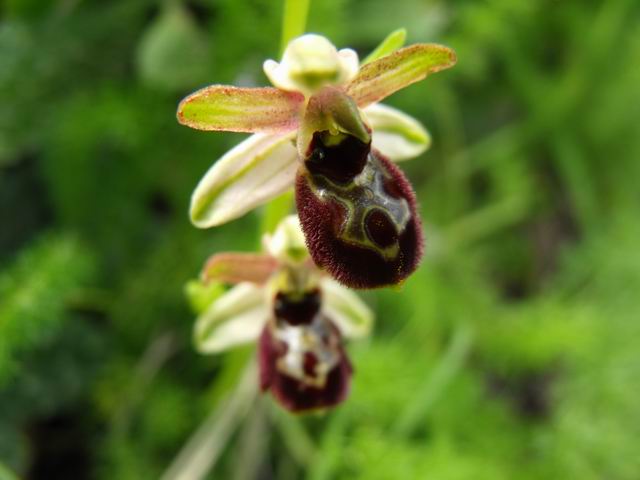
{"points": [[235, 109], [382, 77], [232, 267]]}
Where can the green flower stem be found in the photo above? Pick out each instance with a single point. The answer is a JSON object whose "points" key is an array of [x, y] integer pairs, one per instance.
{"points": [[275, 211], [300, 445], [253, 442], [294, 20], [202, 451], [325, 466], [484, 222], [155, 356], [294, 23]]}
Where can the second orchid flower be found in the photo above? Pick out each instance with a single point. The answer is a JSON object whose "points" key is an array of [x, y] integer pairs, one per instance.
{"points": [[297, 315]]}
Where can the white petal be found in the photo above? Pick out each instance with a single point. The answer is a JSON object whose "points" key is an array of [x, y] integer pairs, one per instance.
{"points": [[287, 243], [237, 317], [350, 314], [279, 76], [396, 134], [255, 171], [349, 65], [309, 62]]}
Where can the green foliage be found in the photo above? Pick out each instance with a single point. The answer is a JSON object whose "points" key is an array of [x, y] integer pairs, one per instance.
{"points": [[391, 43], [173, 54], [35, 292], [511, 353]]}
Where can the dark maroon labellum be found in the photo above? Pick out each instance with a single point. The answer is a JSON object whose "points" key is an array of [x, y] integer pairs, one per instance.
{"points": [[358, 213], [302, 361]]}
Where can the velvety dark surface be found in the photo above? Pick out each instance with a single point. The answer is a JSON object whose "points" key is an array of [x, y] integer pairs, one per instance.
{"points": [[291, 393], [297, 310], [353, 265]]}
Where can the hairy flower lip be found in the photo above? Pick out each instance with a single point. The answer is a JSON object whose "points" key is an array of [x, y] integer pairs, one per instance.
{"points": [[292, 393], [354, 264]]}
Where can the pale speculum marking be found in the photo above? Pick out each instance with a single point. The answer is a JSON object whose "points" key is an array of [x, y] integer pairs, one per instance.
{"points": [[312, 351], [374, 219], [312, 344]]}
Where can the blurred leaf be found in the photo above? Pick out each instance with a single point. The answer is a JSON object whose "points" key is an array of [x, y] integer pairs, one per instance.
{"points": [[390, 44], [173, 54], [6, 474]]}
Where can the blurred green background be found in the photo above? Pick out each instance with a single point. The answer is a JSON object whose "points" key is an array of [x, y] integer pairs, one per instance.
{"points": [[512, 353]]}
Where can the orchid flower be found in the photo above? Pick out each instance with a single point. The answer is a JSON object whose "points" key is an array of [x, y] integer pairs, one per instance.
{"points": [[297, 315], [322, 130]]}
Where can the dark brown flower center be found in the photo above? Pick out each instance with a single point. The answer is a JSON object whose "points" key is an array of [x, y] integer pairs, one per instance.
{"points": [[338, 157], [297, 309]]}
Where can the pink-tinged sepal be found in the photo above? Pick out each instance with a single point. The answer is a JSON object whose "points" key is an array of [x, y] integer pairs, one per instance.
{"points": [[390, 73], [301, 358], [358, 214], [234, 109]]}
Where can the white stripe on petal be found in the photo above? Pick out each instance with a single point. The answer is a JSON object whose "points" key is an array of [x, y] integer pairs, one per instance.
{"points": [[350, 314], [237, 317], [396, 134], [255, 171]]}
